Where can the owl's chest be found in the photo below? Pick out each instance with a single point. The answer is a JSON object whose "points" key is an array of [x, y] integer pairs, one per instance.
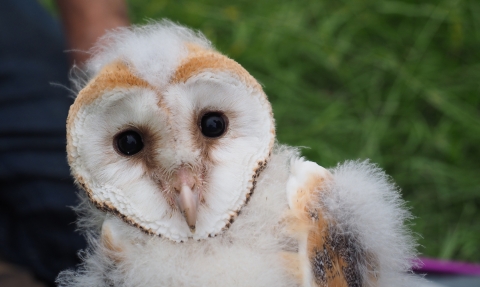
{"points": [[251, 253], [220, 264]]}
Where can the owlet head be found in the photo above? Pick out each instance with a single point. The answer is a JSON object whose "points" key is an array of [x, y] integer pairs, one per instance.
{"points": [[168, 134]]}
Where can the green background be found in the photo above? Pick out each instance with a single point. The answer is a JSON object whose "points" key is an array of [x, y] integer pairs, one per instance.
{"points": [[397, 82]]}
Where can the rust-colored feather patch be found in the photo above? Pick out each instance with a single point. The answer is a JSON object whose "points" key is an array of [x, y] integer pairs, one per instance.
{"points": [[332, 256], [114, 248], [327, 264], [292, 264], [115, 75], [200, 59]]}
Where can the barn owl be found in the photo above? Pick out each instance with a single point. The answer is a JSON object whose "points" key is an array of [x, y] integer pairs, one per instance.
{"points": [[174, 146]]}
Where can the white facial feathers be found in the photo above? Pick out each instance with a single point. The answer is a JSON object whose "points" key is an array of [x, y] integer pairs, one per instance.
{"points": [[158, 82]]}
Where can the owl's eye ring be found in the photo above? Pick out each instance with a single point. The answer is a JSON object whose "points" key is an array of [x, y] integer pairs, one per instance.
{"points": [[213, 124], [128, 142]]}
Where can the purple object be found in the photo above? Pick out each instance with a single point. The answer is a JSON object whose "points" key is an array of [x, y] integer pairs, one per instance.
{"points": [[428, 265]]}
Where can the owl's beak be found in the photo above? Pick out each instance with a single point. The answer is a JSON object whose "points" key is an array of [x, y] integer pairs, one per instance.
{"points": [[187, 199], [188, 204]]}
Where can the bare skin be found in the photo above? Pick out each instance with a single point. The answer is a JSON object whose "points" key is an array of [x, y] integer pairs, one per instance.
{"points": [[85, 21]]}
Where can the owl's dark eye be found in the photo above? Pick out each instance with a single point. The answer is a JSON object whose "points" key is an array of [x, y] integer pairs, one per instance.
{"points": [[213, 124], [129, 142]]}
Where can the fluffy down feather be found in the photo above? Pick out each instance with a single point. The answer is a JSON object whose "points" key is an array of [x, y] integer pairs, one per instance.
{"points": [[350, 223], [363, 202]]}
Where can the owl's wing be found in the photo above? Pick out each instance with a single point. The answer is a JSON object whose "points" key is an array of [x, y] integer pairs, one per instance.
{"points": [[350, 225]]}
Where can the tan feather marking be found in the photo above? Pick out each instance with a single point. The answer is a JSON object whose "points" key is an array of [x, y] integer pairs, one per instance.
{"points": [[299, 222], [332, 256], [307, 222], [330, 273], [200, 59], [112, 76], [114, 249], [326, 264], [292, 264], [300, 219]]}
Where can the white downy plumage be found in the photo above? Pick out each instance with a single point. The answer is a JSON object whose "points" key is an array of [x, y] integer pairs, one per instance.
{"points": [[173, 76]]}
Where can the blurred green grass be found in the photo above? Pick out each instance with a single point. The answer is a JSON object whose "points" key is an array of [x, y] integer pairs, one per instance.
{"points": [[394, 81]]}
